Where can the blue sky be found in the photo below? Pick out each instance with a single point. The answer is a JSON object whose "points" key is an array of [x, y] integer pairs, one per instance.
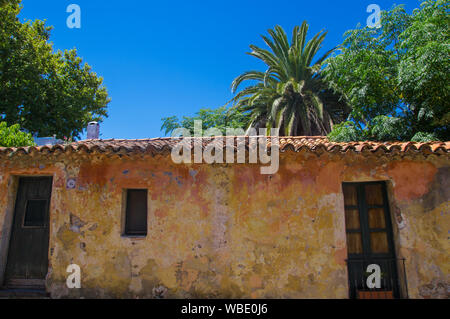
{"points": [[164, 58]]}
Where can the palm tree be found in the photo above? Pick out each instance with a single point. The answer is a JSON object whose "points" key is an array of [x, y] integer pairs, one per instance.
{"points": [[291, 94]]}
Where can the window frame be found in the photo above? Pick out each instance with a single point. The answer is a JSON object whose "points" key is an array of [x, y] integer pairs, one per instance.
{"points": [[127, 232]]}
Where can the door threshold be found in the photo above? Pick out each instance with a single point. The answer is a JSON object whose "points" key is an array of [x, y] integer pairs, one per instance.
{"points": [[23, 293]]}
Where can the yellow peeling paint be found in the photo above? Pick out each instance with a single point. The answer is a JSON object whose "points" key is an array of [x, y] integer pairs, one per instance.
{"points": [[226, 231]]}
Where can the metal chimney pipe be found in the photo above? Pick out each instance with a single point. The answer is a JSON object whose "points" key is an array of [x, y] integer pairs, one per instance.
{"points": [[93, 130]]}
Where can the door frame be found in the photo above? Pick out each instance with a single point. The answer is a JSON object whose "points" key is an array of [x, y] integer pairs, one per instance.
{"points": [[390, 258], [10, 209]]}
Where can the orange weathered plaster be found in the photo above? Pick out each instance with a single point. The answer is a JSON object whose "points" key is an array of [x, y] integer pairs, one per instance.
{"points": [[412, 179], [224, 231]]}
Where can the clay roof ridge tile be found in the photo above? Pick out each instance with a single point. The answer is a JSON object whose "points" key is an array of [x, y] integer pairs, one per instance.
{"points": [[293, 142]]}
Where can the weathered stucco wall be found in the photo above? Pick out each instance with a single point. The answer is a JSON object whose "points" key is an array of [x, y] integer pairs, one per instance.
{"points": [[228, 231]]}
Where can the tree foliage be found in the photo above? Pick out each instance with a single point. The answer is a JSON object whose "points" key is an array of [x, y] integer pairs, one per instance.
{"points": [[396, 77], [220, 118], [12, 136], [45, 92]]}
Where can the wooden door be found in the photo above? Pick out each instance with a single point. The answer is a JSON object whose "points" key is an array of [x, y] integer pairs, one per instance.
{"points": [[27, 262], [369, 239]]}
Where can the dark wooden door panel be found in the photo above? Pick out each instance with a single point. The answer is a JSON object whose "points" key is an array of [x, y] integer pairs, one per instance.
{"points": [[28, 248]]}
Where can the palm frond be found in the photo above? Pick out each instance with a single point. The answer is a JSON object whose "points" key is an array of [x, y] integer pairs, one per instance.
{"points": [[291, 94], [249, 75]]}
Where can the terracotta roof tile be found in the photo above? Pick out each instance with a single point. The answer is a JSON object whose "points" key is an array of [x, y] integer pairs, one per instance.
{"points": [[295, 143]]}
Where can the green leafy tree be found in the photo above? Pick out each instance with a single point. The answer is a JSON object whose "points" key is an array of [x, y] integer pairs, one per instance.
{"points": [[12, 136], [290, 94], [396, 77], [220, 118], [46, 92]]}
